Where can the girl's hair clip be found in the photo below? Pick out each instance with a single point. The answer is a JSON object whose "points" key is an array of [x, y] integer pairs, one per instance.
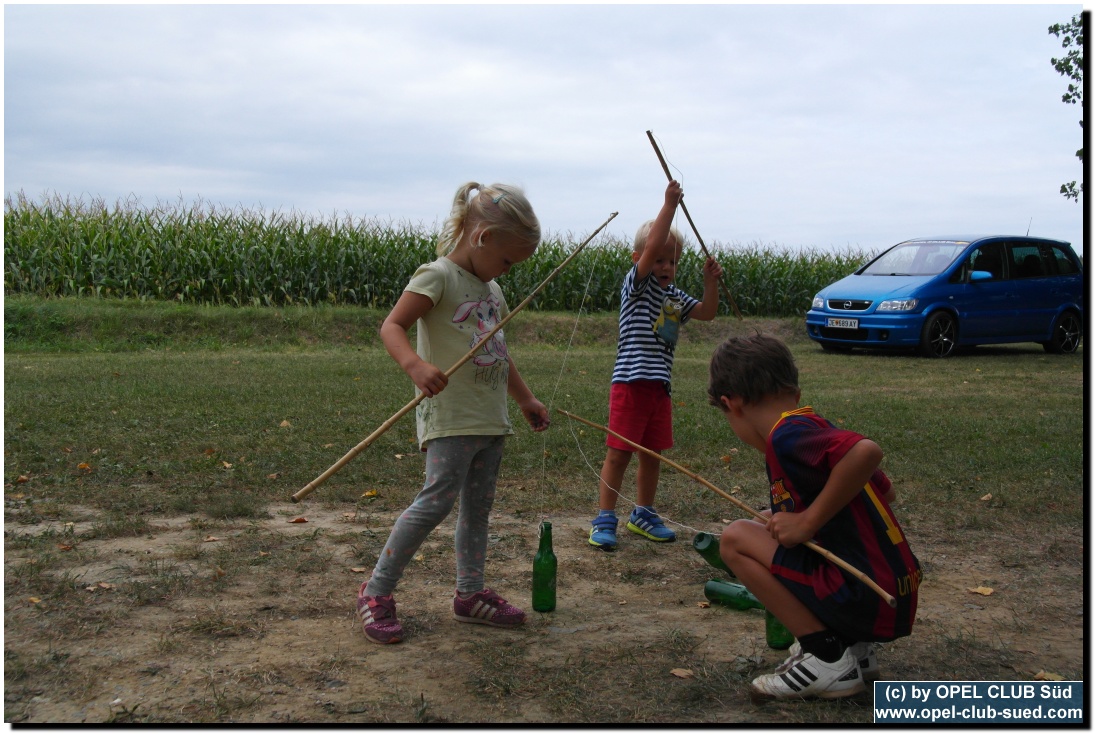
{"points": [[498, 198]]}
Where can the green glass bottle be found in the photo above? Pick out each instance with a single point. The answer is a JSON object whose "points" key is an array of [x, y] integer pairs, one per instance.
{"points": [[777, 636], [544, 569], [731, 594], [707, 545]]}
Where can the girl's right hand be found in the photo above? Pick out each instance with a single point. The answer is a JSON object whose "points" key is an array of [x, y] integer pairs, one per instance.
{"points": [[429, 379]]}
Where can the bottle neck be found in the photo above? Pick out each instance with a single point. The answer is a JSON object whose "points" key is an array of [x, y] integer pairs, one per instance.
{"points": [[545, 535]]}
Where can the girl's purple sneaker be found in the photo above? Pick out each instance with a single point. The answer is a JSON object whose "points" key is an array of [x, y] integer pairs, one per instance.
{"points": [[487, 608], [378, 619]]}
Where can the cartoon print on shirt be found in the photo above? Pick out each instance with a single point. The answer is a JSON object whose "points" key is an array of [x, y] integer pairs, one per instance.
{"points": [[668, 324], [486, 314]]}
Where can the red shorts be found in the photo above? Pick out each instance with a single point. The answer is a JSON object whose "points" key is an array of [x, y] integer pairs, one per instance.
{"points": [[643, 412]]}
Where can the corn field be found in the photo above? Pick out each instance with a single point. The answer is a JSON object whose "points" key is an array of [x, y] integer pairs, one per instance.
{"points": [[202, 254]]}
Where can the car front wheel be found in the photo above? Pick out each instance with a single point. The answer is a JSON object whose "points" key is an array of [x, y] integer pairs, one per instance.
{"points": [[939, 336], [1067, 332]]}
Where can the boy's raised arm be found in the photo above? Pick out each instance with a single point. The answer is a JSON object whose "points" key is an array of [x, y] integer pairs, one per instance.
{"points": [[658, 238]]}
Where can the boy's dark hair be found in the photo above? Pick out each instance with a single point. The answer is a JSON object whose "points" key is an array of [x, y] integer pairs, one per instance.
{"points": [[752, 366]]}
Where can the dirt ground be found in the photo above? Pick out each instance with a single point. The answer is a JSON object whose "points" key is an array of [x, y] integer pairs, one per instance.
{"points": [[247, 645]]}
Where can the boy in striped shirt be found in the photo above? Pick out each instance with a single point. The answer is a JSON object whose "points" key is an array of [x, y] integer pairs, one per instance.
{"points": [[652, 311]]}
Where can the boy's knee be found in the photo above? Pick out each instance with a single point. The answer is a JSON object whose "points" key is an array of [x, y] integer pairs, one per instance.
{"points": [[617, 457], [734, 536]]}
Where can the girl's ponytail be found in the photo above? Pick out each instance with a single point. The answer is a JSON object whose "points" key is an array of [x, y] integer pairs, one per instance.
{"points": [[454, 225], [498, 207]]}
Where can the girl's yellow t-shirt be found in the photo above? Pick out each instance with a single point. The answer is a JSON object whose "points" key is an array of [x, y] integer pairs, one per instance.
{"points": [[464, 310]]}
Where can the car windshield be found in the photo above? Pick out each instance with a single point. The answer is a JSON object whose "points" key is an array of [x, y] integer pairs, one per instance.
{"points": [[916, 259]]}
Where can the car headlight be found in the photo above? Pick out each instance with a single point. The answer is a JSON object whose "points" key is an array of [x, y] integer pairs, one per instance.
{"points": [[898, 305], [819, 303]]}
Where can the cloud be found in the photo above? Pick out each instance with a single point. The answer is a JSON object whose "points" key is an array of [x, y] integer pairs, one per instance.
{"points": [[805, 125]]}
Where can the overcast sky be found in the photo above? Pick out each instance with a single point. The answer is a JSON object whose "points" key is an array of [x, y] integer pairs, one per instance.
{"points": [[809, 126]]}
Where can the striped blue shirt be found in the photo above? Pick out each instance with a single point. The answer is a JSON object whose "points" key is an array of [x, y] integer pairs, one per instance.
{"points": [[650, 318]]}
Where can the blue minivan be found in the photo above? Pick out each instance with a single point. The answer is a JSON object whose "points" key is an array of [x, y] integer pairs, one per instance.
{"points": [[935, 294]]}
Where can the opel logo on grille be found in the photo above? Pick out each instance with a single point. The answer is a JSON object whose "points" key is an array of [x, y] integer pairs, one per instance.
{"points": [[847, 304]]}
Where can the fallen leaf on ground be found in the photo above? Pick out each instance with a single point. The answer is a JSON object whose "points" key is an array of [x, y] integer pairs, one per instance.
{"points": [[285, 424], [682, 673], [1044, 675], [369, 494], [273, 476], [703, 604], [22, 478], [301, 519], [64, 547], [227, 465], [210, 538], [348, 515], [35, 600], [987, 496], [106, 585], [358, 570], [328, 446], [84, 466], [986, 591]]}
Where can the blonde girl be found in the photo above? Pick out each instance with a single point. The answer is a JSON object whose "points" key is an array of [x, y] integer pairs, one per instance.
{"points": [[463, 420]]}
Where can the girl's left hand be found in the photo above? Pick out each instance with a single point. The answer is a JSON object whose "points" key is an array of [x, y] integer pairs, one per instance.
{"points": [[536, 414]]}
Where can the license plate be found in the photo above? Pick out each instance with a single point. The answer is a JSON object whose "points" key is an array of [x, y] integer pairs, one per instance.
{"points": [[843, 323]]}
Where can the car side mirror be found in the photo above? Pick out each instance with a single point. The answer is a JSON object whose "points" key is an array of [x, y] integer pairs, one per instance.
{"points": [[980, 276]]}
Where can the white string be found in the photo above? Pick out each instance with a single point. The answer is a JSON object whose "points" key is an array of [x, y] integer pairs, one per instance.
{"points": [[559, 378]]}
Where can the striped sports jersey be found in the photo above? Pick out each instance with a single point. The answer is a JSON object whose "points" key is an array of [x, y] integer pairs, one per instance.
{"points": [[802, 450], [650, 318]]}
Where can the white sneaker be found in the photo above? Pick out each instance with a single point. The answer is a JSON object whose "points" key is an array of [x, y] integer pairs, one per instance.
{"points": [[809, 676], [868, 662], [863, 651]]}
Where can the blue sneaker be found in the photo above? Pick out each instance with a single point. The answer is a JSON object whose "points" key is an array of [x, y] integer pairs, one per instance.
{"points": [[648, 524], [603, 533]]}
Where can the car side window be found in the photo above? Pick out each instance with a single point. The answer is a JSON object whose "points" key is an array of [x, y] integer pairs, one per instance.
{"points": [[1025, 261], [1065, 266], [989, 258]]}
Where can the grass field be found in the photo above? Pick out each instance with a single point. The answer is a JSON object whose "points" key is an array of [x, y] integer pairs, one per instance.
{"points": [[134, 432]]}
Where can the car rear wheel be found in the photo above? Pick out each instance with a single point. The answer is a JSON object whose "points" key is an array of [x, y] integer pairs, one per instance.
{"points": [[939, 336], [1067, 332]]}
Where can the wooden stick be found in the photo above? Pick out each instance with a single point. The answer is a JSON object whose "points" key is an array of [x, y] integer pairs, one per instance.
{"points": [[809, 544], [304, 491], [668, 175]]}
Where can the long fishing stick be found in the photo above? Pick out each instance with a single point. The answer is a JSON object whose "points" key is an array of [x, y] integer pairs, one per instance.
{"points": [[809, 544], [668, 175], [304, 491]]}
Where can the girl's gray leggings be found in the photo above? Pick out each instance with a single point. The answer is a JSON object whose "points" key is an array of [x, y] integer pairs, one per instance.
{"points": [[456, 466]]}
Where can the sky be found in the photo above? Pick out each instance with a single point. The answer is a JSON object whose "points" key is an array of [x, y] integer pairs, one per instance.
{"points": [[828, 127]]}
